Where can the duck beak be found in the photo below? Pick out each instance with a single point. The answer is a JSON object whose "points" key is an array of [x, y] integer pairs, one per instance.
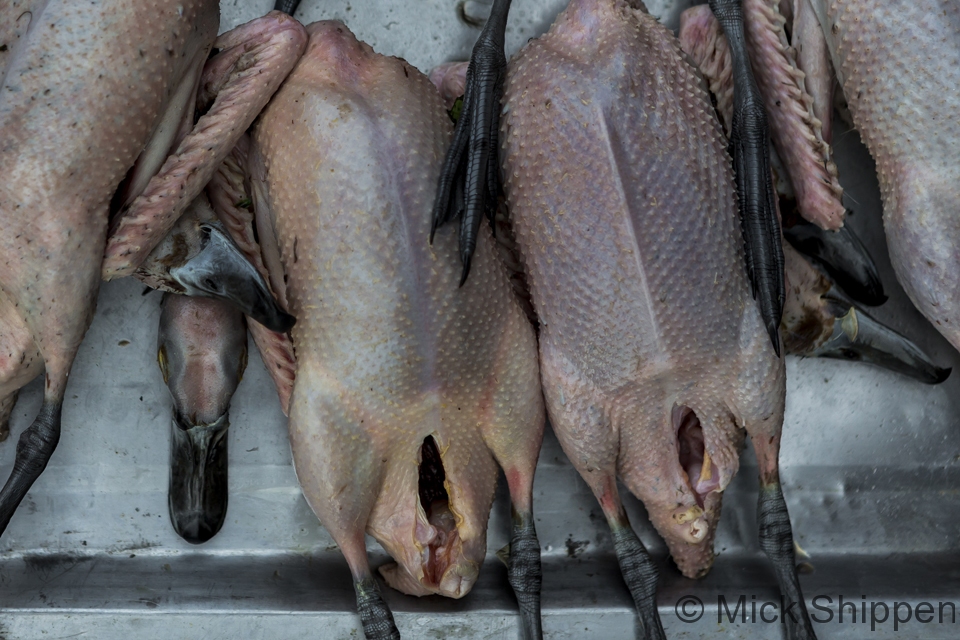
{"points": [[844, 258], [859, 337], [197, 494], [219, 270]]}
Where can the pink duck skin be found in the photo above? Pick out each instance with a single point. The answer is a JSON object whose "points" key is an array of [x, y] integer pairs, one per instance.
{"points": [[898, 64], [409, 390], [653, 363], [819, 320], [118, 95]]}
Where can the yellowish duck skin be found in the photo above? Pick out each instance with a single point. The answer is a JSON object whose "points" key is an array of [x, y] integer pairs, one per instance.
{"points": [[403, 379]]}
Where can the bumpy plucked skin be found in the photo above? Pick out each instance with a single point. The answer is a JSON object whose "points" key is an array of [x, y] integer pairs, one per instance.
{"points": [[253, 60], [701, 37], [389, 350], [899, 65], [450, 78], [82, 92], [622, 197]]}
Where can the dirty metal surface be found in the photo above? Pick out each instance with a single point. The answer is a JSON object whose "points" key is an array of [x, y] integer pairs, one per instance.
{"points": [[870, 465]]}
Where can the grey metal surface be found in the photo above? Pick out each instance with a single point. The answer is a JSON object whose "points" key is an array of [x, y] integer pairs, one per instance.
{"points": [[871, 470]]}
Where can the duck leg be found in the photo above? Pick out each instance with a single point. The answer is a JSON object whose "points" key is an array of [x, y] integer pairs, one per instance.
{"points": [[472, 162], [525, 574], [749, 146], [839, 252], [20, 361], [374, 613], [51, 299], [34, 449], [776, 538], [287, 6], [523, 562], [638, 569]]}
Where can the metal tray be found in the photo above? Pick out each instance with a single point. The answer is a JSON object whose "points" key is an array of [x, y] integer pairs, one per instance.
{"points": [[869, 465]]}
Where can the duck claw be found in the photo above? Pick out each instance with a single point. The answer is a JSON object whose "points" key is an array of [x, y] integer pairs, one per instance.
{"points": [[750, 148], [844, 258], [469, 183]]}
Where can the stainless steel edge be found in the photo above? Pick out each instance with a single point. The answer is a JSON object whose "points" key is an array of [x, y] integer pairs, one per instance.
{"points": [[869, 463]]}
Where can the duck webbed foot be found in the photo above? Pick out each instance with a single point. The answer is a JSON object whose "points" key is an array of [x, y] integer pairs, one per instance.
{"points": [[750, 148], [470, 184]]}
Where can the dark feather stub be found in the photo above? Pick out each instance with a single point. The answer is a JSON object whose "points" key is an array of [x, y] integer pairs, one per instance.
{"points": [[470, 184], [750, 148]]}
